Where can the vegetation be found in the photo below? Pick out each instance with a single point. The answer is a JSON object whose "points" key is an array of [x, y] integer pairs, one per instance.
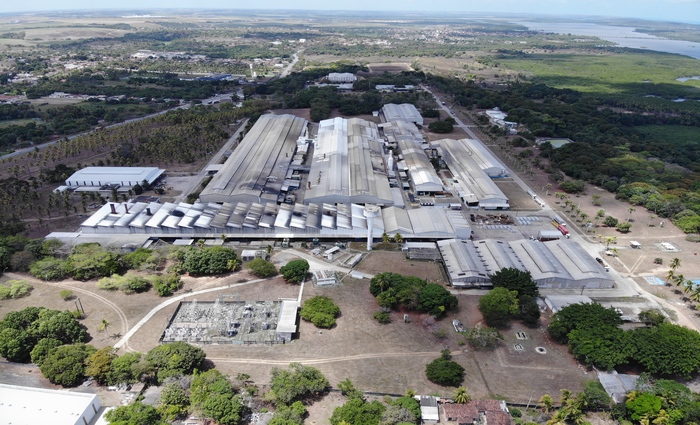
{"points": [[444, 371], [484, 338], [298, 383], [321, 311], [295, 271], [393, 290], [135, 413], [66, 364], [498, 306], [17, 289], [210, 260], [173, 359], [262, 268], [213, 395]]}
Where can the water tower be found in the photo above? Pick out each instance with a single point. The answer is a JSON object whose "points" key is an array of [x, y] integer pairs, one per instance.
{"points": [[370, 212]]}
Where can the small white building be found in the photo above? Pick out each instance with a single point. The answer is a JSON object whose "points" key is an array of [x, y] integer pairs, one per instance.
{"points": [[121, 176], [31, 406], [428, 409], [287, 320]]}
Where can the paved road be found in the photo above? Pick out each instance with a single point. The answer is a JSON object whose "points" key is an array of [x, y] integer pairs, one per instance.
{"points": [[290, 67]]}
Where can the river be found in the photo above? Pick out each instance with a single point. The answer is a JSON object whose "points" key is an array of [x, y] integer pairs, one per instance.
{"points": [[623, 36]]}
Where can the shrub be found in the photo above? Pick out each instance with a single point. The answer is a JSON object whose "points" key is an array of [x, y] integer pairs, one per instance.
{"points": [[50, 269], [262, 268], [129, 283], [382, 316], [321, 311], [441, 127], [211, 260], [295, 271], [443, 371], [66, 294], [66, 364], [165, 285], [17, 289]]}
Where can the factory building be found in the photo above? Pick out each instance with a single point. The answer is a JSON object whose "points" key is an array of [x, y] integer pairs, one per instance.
{"points": [[424, 179], [405, 112], [29, 406], [556, 264], [254, 220], [341, 77], [94, 178], [257, 172], [484, 159], [472, 184], [348, 165]]}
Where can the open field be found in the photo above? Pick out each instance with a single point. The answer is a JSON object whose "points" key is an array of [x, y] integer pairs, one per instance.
{"points": [[382, 261]]}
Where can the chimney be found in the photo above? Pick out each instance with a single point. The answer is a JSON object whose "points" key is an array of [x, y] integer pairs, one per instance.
{"points": [[148, 211], [126, 207], [114, 208]]}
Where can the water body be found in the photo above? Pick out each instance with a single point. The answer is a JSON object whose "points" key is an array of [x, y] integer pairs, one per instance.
{"points": [[684, 79], [622, 36]]}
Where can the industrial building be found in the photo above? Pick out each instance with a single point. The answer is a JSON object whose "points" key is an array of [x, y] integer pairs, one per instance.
{"points": [[341, 77], [424, 179], [556, 264], [254, 220], [257, 172], [31, 406], [474, 187], [405, 112], [94, 178], [498, 117], [348, 164], [394, 131], [484, 159]]}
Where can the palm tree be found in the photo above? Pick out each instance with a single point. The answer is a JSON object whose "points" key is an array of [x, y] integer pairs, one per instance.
{"points": [[669, 277], [596, 199], [462, 396], [398, 239], [385, 239], [547, 403], [675, 264], [688, 286], [609, 240], [631, 211], [103, 325]]}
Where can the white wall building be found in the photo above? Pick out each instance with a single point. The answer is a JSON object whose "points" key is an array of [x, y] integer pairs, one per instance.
{"points": [[121, 176], [32, 406], [341, 77], [403, 112]]}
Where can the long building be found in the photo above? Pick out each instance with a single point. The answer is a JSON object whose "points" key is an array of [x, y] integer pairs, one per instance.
{"points": [[421, 172], [486, 160], [348, 165], [473, 185], [403, 112], [556, 264], [96, 177], [257, 170], [30, 406], [268, 220]]}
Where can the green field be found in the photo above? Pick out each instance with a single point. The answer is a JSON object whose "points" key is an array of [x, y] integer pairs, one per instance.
{"points": [[25, 121], [675, 134], [606, 73]]}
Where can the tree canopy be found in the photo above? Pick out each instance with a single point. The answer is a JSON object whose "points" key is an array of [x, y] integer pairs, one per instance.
{"points": [[321, 311], [498, 306], [515, 279], [175, 358], [261, 268], [295, 271], [297, 383], [66, 364], [210, 260], [413, 293], [444, 371]]}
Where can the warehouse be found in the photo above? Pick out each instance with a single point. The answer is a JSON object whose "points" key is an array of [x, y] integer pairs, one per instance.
{"points": [[424, 179], [256, 173], [341, 77], [31, 406], [394, 131], [483, 157], [405, 112], [472, 184], [557, 264], [348, 164], [254, 220], [96, 177]]}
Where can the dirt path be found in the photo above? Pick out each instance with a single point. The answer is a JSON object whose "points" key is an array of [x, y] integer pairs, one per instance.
{"points": [[349, 358]]}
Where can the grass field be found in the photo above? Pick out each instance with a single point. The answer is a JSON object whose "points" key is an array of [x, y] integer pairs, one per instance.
{"points": [[607, 73], [17, 122]]}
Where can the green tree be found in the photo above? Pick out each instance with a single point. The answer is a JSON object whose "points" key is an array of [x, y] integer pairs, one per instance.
{"points": [[443, 371], [209, 260], [321, 311], [651, 317], [385, 239], [66, 364], [289, 415], [213, 394], [529, 310], [50, 269], [610, 221], [16, 345], [99, 363], [176, 358], [262, 268], [596, 396], [358, 412], [436, 300], [581, 316], [347, 388], [135, 413], [90, 261], [667, 349], [461, 396], [43, 348], [441, 127], [124, 369], [640, 405], [295, 271], [515, 279], [296, 383], [498, 306]]}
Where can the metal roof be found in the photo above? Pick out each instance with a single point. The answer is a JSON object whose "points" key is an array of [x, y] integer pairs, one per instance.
{"points": [[259, 165], [420, 170], [124, 176], [403, 112], [485, 159]]}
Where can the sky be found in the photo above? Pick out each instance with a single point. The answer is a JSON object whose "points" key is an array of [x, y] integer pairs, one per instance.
{"points": [[668, 10]]}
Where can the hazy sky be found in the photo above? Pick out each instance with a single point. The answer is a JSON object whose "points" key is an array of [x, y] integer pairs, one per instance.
{"points": [[673, 10]]}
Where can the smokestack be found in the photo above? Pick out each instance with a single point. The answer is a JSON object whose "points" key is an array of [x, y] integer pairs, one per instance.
{"points": [[370, 212], [126, 207], [114, 208], [148, 211]]}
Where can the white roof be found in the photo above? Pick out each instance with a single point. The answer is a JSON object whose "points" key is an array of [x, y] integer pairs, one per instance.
{"points": [[420, 170], [287, 322], [31, 406], [124, 176], [484, 158]]}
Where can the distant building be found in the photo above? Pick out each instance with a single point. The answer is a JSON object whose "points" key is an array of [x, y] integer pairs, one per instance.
{"points": [[617, 385], [30, 406], [498, 117], [403, 112], [324, 277], [287, 320], [344, 77], [119, 176]]}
